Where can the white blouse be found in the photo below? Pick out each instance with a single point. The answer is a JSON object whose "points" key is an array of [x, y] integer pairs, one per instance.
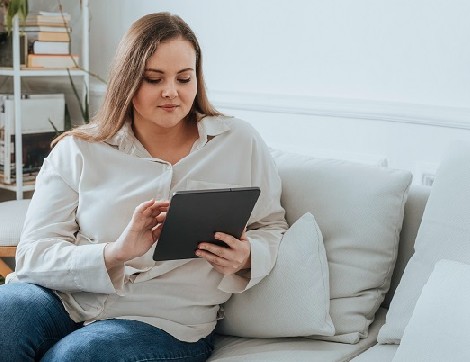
{"points": [[85, 195]]}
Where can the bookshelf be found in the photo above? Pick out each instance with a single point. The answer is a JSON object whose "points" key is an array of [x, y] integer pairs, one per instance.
{"points": [[18, 72]]}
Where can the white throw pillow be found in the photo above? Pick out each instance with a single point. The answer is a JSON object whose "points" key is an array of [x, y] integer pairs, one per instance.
{"points": [[438, 328], [443, 234], [294, 299], [359, 209]]}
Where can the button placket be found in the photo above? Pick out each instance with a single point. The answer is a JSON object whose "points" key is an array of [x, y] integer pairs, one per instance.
{"points": [[165, 181]]}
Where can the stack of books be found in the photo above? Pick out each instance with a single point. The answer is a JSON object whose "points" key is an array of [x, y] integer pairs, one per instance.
{"points": [[48, 36]]}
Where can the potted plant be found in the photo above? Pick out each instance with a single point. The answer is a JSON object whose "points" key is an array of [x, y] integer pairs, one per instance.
{"points": [[8, 10], [12, 8]]}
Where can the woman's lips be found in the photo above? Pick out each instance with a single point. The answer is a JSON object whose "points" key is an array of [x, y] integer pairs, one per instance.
{"points": [[168, 107]]}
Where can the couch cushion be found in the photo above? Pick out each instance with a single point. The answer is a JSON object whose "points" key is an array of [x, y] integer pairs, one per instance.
{"points": [[414, 207], [294, 299], [438, 328], [359, 209], [233, 349], [378, 353], [12, 216], [443, 234]]}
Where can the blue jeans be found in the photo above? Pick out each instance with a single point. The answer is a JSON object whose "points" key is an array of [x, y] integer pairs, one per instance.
{"points": [[34, 326]]}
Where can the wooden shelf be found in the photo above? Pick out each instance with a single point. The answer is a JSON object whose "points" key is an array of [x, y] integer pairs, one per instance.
{"points": [[8, 251]]}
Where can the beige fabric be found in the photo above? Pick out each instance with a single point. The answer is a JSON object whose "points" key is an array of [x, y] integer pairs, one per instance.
{"points": [[294, 299], [414, 207], [438, 329], [443, 234], [12, 216], [233, 349], [85, 196], [359, 209]]}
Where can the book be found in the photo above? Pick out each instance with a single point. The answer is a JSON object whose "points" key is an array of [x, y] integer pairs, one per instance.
{"points": [[50, 47], [49, 17], [52, 61], [43, 23], [44, 18], [55, 29], [48, 36]]}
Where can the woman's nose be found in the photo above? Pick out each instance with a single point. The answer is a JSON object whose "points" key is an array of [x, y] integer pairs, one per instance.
{"points": [[170, 91]]}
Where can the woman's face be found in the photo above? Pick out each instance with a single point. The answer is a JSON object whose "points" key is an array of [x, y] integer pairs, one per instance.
{"points": [[169, 85]]}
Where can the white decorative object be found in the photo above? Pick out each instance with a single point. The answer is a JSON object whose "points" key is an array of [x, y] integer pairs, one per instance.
{"points": [[294, 299], [443, 234], [359, 209], [438, 328], [37, 113]]}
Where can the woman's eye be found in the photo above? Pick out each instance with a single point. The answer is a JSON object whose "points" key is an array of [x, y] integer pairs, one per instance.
{"points": [[184, 80], [152, 80]]}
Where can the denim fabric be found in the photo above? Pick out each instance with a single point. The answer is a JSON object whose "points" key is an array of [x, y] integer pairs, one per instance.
{"points": [[34, 326]]}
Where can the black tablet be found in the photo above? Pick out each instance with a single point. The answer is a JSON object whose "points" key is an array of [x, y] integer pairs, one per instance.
{"points": [[194, 216]]}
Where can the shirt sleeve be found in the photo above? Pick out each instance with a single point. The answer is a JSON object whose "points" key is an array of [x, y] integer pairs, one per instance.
{"points": [[266, 225], [49, 253]]}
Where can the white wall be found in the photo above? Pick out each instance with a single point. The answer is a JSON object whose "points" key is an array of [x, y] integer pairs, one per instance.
{"points": [[365, 77]]}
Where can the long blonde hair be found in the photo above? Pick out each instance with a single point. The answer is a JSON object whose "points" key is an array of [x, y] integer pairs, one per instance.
{"points": [[127, 70]]}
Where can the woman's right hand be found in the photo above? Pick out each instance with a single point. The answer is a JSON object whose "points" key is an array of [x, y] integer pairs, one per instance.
{"points": [[140, 234]]}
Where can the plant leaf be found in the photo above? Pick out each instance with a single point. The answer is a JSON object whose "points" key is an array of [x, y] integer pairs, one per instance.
{"points": [[83, 110], [16, 7], [57, 132]]}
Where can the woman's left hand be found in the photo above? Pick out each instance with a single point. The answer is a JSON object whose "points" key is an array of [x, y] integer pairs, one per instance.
{"points": [[227, 260]]}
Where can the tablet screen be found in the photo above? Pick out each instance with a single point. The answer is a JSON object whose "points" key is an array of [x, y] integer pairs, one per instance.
{"points": [[194, 216]]}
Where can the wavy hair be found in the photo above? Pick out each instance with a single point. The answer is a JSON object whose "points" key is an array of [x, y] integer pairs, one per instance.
{"points": [[139, 43]]}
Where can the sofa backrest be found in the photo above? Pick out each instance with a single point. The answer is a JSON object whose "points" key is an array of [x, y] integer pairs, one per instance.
{"points": [[417, 198]]}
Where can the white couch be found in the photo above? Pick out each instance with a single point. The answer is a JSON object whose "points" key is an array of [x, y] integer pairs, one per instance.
{"points": [[349, 263], [262, 325]]}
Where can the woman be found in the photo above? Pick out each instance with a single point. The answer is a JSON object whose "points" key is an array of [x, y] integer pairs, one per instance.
{"points": [[85, 277]]}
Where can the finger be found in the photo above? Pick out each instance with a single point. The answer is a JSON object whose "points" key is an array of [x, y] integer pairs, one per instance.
{"points": [[160, 206], [219, 251], [161, 203], [161, 217], [156, 231], [244, 236], [145, 205], [229, 256], [159, 211], [227, 239], [144, 208], [215, 260]]}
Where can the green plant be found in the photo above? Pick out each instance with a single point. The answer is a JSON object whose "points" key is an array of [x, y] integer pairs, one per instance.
{"points": [[84, 109], [14, 7]]}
